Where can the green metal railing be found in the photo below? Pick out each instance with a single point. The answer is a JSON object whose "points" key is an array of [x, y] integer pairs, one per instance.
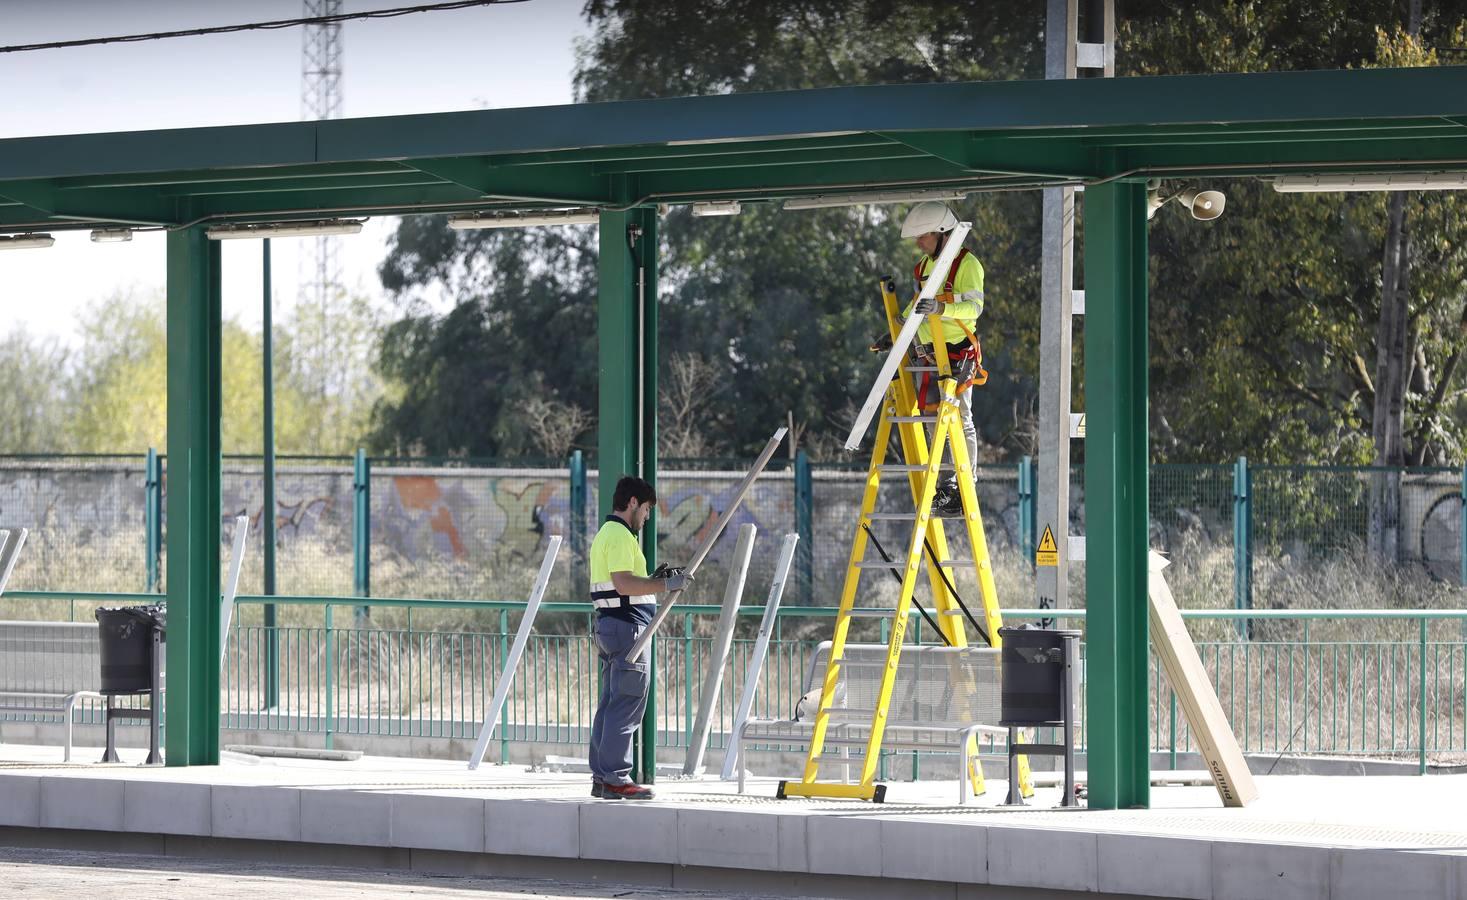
{"points": [[1380, 683]]}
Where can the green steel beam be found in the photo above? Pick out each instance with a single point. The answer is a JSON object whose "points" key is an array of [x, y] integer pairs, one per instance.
{"points": [[822, 156], [1116, 494], [193, 498], [129, 209], [218, 176], [573, 187], [679, 151], [1141, 104], [627, 421]]}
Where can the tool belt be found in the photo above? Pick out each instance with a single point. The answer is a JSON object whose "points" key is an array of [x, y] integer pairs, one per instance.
{"points": [[966, 361]]}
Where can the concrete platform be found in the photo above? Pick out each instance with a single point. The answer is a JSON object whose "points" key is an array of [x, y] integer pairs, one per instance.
{"points": [[1331, 838]]}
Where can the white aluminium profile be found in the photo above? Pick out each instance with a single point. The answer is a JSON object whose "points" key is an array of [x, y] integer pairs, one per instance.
{"points": [[1401, 181]]}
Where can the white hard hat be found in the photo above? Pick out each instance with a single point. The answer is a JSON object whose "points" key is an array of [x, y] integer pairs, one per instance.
{"points": [[927, 217]]}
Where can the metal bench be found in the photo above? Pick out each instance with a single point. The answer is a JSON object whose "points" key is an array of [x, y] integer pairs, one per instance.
{"points": [[46, 667], [943, 696]]}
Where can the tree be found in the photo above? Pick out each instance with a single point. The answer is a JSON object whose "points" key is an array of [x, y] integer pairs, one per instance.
{"points": [[33, 393]]}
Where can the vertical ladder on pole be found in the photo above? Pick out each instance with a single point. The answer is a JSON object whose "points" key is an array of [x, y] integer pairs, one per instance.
{"points": [[902, 413]]}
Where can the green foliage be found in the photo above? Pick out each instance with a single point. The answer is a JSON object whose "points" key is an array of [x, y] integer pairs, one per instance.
{"points": [[110, 394], [32, 385]]}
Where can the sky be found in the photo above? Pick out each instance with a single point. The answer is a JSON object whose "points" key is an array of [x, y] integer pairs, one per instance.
{"points": [[490, 57]]}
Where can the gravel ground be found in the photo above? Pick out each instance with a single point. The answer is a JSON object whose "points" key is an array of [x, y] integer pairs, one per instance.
{"points": [[115, 876]]}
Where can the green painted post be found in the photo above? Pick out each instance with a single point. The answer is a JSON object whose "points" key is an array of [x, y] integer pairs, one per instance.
{"points": [[192, 699], [627, 420], [1027, 511], [153, 515], [361, 531], [271, 661], [1243, 543], [576, 521], [805, 527], [1116, 493], [1421, 699]]}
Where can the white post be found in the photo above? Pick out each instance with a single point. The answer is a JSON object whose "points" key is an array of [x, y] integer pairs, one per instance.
{"points": [[640, 644], [231, 583], [722, 643], [521, 638], [761, 649], [909, 332], [11, 540]]}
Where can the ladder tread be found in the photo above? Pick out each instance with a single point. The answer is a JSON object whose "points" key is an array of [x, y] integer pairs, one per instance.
{"points": [[912, 418], [911, 467]]}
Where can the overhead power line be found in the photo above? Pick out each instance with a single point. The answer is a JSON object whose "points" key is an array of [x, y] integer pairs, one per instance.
{"points": [[259, 26]]}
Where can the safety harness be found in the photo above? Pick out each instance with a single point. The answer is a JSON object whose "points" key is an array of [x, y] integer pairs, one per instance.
{"points": [[957, 354]]}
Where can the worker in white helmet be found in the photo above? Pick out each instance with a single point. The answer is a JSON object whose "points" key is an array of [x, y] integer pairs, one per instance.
{"points": [[959, 301]]}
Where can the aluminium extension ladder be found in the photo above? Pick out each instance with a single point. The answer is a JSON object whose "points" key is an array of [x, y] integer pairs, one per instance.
{"points": [[923, 468]]}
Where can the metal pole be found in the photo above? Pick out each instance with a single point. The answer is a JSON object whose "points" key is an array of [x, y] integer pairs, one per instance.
{"points": [[153, 515], [805, 526], [521, 638], [267, 512], [1056, 325], [722, 643], [1243, 543], [731, 762]]}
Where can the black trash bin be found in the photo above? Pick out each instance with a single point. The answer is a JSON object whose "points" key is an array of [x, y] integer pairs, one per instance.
{"points": [[1038, 690], [131, 649], [126, 635], [1033, 676]]}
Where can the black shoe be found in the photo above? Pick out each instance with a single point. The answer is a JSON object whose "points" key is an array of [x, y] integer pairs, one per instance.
{"points": [[596, 787], [947, 501]]}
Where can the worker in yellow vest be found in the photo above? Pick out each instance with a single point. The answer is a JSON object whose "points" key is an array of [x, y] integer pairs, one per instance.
{"points": [[625, 598], [959, 302]]}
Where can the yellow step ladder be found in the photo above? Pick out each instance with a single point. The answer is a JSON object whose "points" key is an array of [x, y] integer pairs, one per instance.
{"points": [[902, 412]]}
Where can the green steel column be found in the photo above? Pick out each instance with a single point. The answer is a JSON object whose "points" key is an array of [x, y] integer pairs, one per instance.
{"points": [[153, 515], [1243, 543], [805, 527], [1116, 493], [361, 529], [193, 499], [627, 422], [575, 525], [271, 662]]}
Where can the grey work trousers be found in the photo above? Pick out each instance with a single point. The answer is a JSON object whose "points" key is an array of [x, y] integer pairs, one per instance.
{"points": [[622, 702]]}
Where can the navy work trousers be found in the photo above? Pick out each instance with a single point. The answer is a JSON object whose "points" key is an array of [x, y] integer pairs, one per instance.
{"points": [[623, 700]]}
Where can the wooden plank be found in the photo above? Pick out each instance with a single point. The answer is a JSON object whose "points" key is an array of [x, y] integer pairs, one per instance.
{"points": [[1184, 671]]}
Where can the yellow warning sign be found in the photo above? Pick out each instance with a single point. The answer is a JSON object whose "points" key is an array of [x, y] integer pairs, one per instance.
{"points": [[1048, 553]]}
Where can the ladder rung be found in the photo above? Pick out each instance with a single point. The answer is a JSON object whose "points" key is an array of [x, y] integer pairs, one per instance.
{"points": [[872, 613], [879, 565], [912, 418], [894, 517], [911, 467], [921, 368], [953, 563]]}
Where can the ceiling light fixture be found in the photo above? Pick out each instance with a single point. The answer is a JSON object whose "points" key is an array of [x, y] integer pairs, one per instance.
{"points": [[828, 201], [321, 228], [525, 220], [1412, 181], [111, 235], [718, 208], [28, 241]]}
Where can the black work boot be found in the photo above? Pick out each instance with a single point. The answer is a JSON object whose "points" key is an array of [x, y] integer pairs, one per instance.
{"points": [[947, 501]]}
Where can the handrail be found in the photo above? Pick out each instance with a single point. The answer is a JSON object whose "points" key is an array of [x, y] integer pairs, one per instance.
{"points": [[709, 609]]}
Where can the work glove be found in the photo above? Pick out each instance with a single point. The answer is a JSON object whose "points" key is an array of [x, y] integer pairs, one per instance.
{"points": [[663, 570], [926, 307], [882, 342], [678, 582]]}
